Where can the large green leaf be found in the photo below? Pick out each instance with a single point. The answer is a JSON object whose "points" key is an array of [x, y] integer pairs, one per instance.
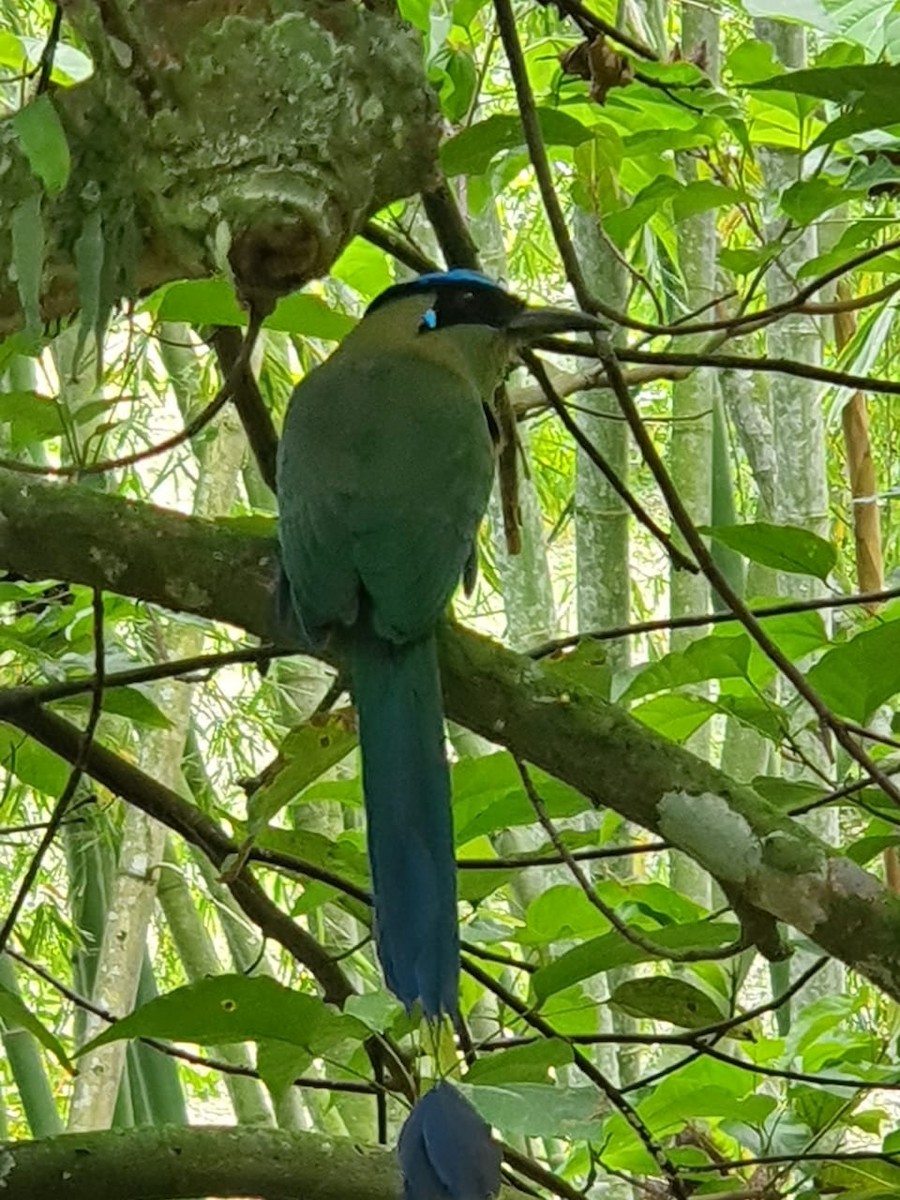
{"points": [[525, 1064], [564, 912], [870, 93], [841, 85], [31, 762], [538, 1110], [472, 151], [613, 949], [488, 795], [782, 547], [662, 998], [720, 655], [236, 1008], [855, 678], [32, 417], [673, 715]]}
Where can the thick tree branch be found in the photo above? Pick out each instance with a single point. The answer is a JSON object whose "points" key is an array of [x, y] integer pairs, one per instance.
{"points": [[769, 861], [166, 1163], [166, 151]]}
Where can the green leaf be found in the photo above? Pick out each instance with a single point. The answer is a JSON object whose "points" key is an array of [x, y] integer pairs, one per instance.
{"points": [[808, 199], [867, 848], [343, 855], [134, 703], [701, 196], [70, 65], [526, 1064], [377, 1010], [537, 1110], [137, 705], [472, 151], [623, 225], [310, 316], [15, 1015], [474, 885], [562, 912], [870, 93], [279, 1065], [364, 267], [782, 547], [236, 1008], [307, 751], [721, 655], [213, 302], [33, 418], [751, 61], [786, 794], [613, 949], [857, 677], [417, 12], [28, 258], [795, 634], [32, 763], [488, 795], [805, 12], [744, 260], [673, 715], [661, 998], [841, 85], [457, 80], [766, 717], [43, 142]]}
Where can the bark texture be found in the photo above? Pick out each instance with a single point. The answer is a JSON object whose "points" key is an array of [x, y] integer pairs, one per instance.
{"points": [[258, 133]]}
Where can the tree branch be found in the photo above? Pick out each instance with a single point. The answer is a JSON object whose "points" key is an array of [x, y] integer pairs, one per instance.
{"points": [[770, 861], [198, 1161]]}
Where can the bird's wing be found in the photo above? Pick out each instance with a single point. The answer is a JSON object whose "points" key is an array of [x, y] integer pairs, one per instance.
{"points": [[385, 473]]}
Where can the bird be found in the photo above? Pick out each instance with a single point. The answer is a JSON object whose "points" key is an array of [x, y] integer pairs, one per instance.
{"points": [[384, 471]]}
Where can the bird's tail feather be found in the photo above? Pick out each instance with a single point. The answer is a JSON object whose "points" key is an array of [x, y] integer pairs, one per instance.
{"points": [[446, 1151], [410, 828]]}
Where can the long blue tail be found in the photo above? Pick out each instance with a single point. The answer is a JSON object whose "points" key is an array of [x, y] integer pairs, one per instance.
{"points": [[446, 1151], [410, 826]]}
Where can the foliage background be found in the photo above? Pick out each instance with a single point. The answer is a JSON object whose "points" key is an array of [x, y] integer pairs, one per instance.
{"points": [[734, 168]]}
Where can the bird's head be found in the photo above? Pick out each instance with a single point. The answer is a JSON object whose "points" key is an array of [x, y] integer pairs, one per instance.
{"points": [[465, 320]]}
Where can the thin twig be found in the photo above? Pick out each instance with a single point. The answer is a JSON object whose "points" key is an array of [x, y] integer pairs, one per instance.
{"points": [[15, 697], [713, 618], [678, 557]]}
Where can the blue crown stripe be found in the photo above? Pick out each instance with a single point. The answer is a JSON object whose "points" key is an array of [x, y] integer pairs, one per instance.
{"points": [[432, 280]]}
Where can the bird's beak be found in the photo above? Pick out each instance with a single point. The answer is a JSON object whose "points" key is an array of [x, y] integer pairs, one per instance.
{"points": [[533, 323]]}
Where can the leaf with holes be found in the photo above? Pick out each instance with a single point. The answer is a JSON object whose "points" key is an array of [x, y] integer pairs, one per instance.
{"points": [[236, 1008], [307, 751], [661, 998]]}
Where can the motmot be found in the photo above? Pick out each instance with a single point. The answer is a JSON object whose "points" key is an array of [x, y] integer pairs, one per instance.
{"points": [[385, 467]]}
